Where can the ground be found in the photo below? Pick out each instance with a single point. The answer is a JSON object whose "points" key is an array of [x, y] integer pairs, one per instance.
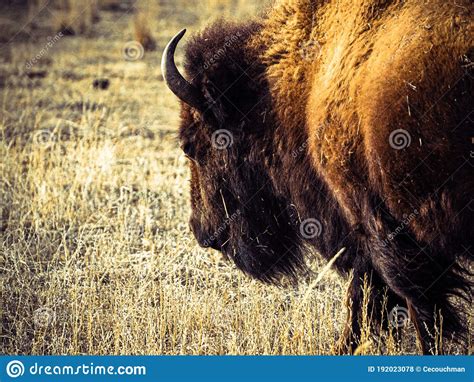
{"points": [[95, 251]]}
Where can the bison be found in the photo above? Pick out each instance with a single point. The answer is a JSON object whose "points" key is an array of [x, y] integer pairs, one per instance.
{"points": [[332, 125]]}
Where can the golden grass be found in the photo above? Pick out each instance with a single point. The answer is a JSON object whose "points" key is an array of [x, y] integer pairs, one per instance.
{"points": [[141, 24], [95, 252], [74, 17]]}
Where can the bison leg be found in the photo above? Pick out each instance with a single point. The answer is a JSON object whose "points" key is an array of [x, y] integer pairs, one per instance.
{"points": [[427, 279], [420, 333], [427, 274], [378, 300], [351, 333]]}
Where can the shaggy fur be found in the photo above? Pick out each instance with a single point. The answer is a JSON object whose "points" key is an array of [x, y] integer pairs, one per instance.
{"points": [[311, 95]]}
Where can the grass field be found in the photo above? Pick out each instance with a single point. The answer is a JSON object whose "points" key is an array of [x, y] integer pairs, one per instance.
{"points": [[95, 251]]}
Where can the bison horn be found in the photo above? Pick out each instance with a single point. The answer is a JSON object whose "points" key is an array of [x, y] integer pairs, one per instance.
{"points": [[185, 91]]}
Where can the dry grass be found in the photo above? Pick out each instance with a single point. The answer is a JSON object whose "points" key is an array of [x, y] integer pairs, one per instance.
{"points": [[95, 252], [74, 17], [143, 33], [145, 17]]}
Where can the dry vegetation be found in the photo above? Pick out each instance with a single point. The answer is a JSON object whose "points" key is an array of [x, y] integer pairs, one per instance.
{"points": [[95, 252]]}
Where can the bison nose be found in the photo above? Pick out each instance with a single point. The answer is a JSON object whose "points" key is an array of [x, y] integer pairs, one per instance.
{"points": [[199, 234], [204, 239]]}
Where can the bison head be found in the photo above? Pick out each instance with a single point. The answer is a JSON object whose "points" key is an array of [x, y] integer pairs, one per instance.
{"points": [[226, 133]]}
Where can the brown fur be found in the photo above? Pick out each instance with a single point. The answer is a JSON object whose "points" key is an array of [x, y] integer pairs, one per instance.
{"points": [[311, 96]]}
